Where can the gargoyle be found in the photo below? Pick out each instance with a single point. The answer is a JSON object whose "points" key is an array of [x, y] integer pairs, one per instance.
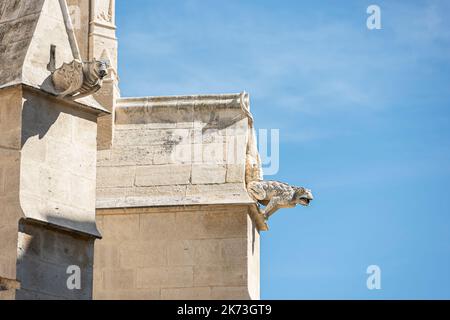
{"points": [[77, 79], [275, 195]]}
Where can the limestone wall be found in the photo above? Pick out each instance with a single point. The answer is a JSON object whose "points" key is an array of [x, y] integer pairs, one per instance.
{"points": [[10, 213], [172, 205], [194, 252], [174, 151], [58, 163], [44, 255], [18, 19], [47, 178]]}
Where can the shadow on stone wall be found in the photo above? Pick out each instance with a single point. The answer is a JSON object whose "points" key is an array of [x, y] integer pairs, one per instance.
{"points": [[36, 121], [45, 253]]}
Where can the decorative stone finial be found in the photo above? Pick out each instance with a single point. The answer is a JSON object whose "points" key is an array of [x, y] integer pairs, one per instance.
{"points": [[77, 79], [276, 195]]}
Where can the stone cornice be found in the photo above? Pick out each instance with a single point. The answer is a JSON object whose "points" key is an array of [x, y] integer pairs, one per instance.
{"points": [[213, 100], [252, 207]]}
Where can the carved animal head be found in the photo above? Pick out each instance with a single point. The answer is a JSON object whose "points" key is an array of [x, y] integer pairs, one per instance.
{"points": [[101, 68], [303, 196], [95, 70]]}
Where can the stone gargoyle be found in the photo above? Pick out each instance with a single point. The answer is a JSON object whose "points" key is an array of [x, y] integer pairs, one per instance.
{"points": [[79, 79], [275, 195]]}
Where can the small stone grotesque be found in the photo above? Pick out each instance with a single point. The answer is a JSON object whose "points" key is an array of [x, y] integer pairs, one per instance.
{"points": [[77, 79], [276, 195]]}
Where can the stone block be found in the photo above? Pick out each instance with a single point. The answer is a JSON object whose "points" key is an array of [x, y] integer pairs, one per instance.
{"points": [[10, 117], [218, 193], [82, 193], [11, 179], [207, 252], [143, 254], [157, 226], [131, 155], [234, 251], [166, 137], [180, 253], [201, 293], [210, 224], [106, 255], [230, 293], [109, 177], [2, 181], [163, 175], [165, 277], [208, 174], [36, 150], [8, 266], [135, 294], [85, 133], [220, 275], [119, 279], [46, 278], [105, 132], [65, 249], [113, 193], [235, 173], [214, 153], [120, 227]]}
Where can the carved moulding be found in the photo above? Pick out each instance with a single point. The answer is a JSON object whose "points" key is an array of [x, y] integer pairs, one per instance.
{"points": [[77, 79]]}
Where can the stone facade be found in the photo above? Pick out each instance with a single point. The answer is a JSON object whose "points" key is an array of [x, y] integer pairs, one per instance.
{"points": [[172, 205], [175, 151], [162, 179], [47, 158], [43, 256], [193, 252]]}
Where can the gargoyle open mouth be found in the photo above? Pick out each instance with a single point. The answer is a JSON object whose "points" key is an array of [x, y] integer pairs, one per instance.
{"points": [[305, 202]]}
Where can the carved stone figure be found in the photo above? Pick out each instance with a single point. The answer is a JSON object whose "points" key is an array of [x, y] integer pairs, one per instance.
{"points": [[77, 79], [276, 195]]}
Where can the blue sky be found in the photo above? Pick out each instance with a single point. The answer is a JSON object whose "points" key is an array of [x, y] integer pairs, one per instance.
{"points": [[364, 120]]}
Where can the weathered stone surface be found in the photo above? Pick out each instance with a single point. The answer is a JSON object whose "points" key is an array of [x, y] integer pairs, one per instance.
{"points": [[193, 252], [107, 254], [111, 177], [115, 280], [44, 255], [135, 255], [220, 275], [58, 163], [163, 175], [210, 224], [208, 174], [120, 227], [194, 141], [165, 277], [10, 117], [16, 30], [230, 293], [134, 294], [181, 253], [156, 153], [235, 173], [157, 226], [201, 293]]}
